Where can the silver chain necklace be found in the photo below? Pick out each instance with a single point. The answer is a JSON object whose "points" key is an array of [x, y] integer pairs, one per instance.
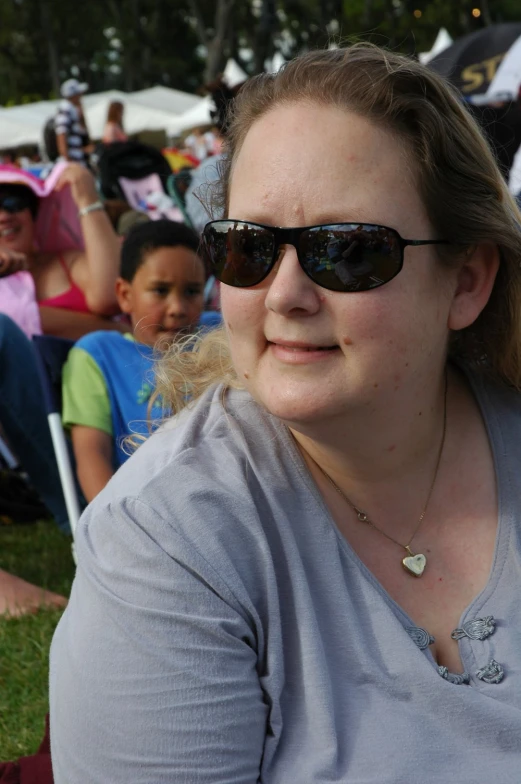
{"points": [[413, 563]]}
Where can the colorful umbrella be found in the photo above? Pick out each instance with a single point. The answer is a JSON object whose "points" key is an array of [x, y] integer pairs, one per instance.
{"points": [[471, 62]]}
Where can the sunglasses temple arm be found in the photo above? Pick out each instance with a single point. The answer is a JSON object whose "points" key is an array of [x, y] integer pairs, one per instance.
{"points": [[425, 242]]}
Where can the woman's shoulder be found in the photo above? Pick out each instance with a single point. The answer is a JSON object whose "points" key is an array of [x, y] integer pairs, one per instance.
{"points": [[203, 455], [204, 486], [500, 404], [500, 407]]}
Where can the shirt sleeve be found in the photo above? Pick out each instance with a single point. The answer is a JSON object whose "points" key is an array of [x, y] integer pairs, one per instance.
{"points": [[85, 396], [154, 671], [62, 122]]}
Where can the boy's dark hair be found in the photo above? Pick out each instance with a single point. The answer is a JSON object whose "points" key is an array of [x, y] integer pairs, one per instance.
{"points": [[144, 238]]}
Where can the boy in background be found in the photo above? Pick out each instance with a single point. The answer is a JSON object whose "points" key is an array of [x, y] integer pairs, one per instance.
{"points": [[108, 377]]}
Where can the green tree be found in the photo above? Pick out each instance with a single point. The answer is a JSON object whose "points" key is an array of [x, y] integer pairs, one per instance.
{"points": [[131, 44], [43, 42]]}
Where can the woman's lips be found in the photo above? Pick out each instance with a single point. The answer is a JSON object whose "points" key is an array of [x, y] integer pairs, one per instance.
{"points": [[295, 353], [8, 231]]}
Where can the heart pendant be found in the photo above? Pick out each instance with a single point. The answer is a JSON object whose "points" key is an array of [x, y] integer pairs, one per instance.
{"points": [[415, 564]]}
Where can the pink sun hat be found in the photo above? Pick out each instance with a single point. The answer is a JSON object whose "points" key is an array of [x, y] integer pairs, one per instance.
{"points": [[57, 224]]}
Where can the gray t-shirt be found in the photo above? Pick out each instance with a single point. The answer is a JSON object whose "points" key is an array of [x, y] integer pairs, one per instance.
{"points": [[222, 631]]}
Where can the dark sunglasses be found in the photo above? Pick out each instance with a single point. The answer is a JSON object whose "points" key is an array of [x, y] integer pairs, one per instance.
{"points": [[15, 202], [338, 256]]}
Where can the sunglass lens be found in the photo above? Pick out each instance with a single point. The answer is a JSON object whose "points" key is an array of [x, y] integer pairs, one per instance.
{"points": [[240, 254], [357, 258], [12, 203]]}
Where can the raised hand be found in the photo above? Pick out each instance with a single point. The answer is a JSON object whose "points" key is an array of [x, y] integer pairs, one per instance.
{"points": [[81, 181], [12, 261]]}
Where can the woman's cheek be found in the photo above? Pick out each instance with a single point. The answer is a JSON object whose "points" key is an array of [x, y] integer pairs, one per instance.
{"points": [[243, 310], [243, 330]]}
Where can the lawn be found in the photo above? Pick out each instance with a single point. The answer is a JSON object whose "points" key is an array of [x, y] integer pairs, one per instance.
{"points": [[42, 555]]}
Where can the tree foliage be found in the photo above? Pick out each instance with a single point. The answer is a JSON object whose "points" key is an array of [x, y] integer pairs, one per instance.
{"points": [[131, 44], [123, 44]]}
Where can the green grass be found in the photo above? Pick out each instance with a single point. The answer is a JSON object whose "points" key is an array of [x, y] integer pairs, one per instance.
{"points": [[42, 555]]}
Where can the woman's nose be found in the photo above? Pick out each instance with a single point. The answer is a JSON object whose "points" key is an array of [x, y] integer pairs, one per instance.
{"points": [[290, 290]]}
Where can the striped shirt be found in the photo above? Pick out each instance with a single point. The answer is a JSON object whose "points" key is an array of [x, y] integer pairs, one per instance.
{"points": [[70, 122]]}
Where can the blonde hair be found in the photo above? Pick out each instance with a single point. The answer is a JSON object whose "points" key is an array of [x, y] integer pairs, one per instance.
{"points": [[464, 193], [191, 365]]}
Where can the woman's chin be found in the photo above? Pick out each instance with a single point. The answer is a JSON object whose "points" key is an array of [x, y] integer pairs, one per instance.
{"points": [[16, 245], [294, 406]]}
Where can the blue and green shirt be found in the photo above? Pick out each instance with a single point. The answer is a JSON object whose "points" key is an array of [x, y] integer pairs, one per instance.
{"points": [[108, 384]]}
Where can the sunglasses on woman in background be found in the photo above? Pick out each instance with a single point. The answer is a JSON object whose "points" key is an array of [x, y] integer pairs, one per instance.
{"points": [[337, 256], [14, 202]]}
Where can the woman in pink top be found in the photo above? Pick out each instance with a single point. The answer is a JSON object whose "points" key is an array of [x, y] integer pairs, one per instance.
{"points": [[75, 292], [75, 288], [114, 126]]}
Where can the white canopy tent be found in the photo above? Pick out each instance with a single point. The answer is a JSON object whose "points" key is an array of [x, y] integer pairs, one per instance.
{"points": [[147, 110], [137, 117], [275, 64], [21, 125], [233, 74], [442, 42], [165, 99], [200, 113], [15, 133], [35, 113], [197, 116]]}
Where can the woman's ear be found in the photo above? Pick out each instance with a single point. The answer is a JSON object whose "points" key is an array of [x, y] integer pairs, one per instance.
{"points": [[124, 295], [474, 284]]}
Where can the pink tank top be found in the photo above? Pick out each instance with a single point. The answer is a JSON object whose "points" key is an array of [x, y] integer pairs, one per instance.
{"points": [[72, 299]]}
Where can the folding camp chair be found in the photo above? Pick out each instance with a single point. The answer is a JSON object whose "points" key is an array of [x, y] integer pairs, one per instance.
{"points": [[51, 354], [133, 161]]}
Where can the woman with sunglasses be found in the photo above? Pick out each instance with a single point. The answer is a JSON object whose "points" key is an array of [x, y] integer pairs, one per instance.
{"points": [[74, 289], [313, 573], [75, 294]]}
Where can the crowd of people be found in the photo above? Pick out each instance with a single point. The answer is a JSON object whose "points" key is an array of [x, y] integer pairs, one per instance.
{"points": [[309, 571], [112, 296]]}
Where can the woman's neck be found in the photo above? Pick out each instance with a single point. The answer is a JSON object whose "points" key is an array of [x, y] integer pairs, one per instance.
{"points": [[381, 451], [37, 260]]}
